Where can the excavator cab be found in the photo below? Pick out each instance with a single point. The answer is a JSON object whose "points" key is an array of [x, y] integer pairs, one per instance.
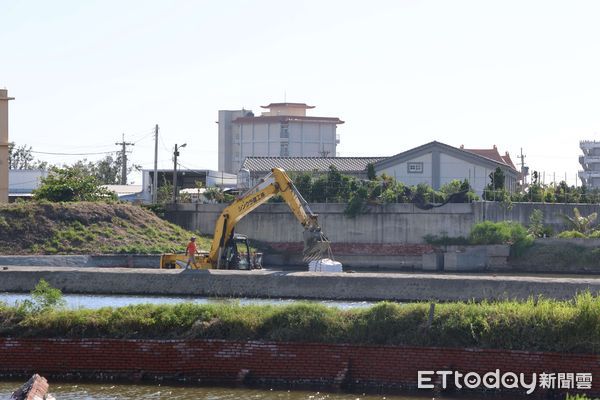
{"points": [[236, 254]]}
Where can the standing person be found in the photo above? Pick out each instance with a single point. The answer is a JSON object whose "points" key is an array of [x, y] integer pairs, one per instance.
{"points": [[190, 251]]}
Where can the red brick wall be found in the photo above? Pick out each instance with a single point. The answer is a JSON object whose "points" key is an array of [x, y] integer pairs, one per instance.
{"points": [[217, 361], [361, 248]]}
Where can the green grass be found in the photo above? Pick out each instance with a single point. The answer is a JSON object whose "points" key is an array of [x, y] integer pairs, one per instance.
{"points": [[559, 257], [534, 325], [88, 228]]}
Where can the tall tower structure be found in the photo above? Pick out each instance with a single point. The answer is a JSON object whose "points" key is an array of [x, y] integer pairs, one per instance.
{"points": [[590, 161], [4, 145]]}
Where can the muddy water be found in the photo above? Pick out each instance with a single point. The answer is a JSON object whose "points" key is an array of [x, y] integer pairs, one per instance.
{"points": [[93, 391]]}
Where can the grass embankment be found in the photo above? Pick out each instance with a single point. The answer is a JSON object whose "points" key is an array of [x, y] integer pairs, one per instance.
{"points": [[558, 257], [87, 228], [543, 325]]}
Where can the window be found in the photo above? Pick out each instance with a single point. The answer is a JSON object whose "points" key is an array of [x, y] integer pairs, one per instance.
{"points": [[283, 150], [415, 167], [284, 133]]}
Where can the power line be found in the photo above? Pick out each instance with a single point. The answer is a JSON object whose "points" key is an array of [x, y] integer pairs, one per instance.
{"points": [[148, 134], [72, 154]]}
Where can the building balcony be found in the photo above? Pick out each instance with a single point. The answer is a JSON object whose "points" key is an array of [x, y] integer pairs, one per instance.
{"points": [[586, 175], [587, 145], [587, 160]]}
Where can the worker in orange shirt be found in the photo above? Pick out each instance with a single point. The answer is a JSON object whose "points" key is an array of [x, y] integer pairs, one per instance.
{"points": [[190, 251]]}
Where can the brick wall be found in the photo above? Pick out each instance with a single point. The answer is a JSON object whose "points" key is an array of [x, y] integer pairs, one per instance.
{"points": [[291, 364], [361, 248]]}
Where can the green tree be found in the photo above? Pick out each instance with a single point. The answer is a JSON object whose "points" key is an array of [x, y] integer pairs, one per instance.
{"points": [[303, 183], [498, 179], [71, 184], [455, 186], [164, 194], [580, 223], [334, 187], [451, 187], [495, 189], [43, 298], [318, 191], [535, 193], [21, 157], [536, 224], [371, 174], [106, 170]]}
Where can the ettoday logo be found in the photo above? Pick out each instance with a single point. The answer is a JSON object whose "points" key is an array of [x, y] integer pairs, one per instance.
{"points": [[507, 380]]}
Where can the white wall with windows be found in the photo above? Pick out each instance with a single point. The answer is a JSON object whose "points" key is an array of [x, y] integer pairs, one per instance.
{"points": [[411, 172]]}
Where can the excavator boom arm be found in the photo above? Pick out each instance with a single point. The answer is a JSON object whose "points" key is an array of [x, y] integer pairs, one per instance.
{"points": [[278, 182]]}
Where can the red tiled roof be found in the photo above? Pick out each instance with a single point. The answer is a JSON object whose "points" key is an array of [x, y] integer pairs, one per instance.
{"points": [[286, 118], [493, 154], [508, 161], [296, 105]]}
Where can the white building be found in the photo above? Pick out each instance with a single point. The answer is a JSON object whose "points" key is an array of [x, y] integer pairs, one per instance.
{"points": [[22, 182], [186, 179], [437, 163], [283, 131], [590, 161]]}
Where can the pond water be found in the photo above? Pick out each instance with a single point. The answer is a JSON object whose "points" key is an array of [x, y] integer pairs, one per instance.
{"points": [[109, 391], [97, 301]]}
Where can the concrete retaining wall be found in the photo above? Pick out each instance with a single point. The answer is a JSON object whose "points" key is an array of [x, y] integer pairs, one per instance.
{"points": [[389, 223], [97, 261], [520, 212], [281, 284]]}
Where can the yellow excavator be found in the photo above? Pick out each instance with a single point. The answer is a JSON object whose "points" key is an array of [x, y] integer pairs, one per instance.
{"points": [[232, 251]]}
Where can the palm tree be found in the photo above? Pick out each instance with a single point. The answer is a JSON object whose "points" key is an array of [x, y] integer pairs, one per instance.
{"points": [[580, 223]]}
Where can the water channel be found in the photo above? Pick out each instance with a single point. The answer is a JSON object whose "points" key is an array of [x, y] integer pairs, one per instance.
{"points": [[110, 391], [95, 301], [114, 391]]}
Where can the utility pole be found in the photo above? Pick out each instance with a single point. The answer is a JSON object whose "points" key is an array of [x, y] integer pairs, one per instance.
{"points": [[523, 173], [155, 179], [4, 99], [175, 154], [124, 145]]}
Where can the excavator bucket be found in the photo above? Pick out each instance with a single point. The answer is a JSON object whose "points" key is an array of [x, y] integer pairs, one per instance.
{"points": [[316, 246]]}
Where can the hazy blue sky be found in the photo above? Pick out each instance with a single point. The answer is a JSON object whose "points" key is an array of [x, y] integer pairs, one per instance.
{"points": [[400, 73]]}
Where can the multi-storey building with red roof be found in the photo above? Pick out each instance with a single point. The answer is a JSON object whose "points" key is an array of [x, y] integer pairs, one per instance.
{"points": [[284, 130]]}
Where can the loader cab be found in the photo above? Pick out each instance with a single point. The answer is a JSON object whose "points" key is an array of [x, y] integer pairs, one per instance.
{"points": [[237, 254]]}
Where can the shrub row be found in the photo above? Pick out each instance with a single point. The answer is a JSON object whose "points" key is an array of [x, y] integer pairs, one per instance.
{"points": [[487, 232], [534, 325]]}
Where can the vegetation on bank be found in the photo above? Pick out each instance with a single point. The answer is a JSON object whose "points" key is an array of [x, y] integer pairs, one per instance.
{"points": [[358, 194], [87, 228], [487, 232], [521, 239], [533, 325], [559, 258]]}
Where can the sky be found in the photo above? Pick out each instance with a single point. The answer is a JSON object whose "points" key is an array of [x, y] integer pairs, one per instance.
{"points": [[515, 74]]}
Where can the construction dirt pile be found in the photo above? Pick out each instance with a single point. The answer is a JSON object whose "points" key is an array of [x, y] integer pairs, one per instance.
{"points": [[87, 228]]}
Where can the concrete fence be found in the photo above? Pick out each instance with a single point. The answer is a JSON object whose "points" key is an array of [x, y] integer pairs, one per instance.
{"points": [[389, 223]]}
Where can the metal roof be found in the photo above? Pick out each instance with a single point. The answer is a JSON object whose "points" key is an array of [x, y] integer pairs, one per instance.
{"points": [[308, 164]]}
